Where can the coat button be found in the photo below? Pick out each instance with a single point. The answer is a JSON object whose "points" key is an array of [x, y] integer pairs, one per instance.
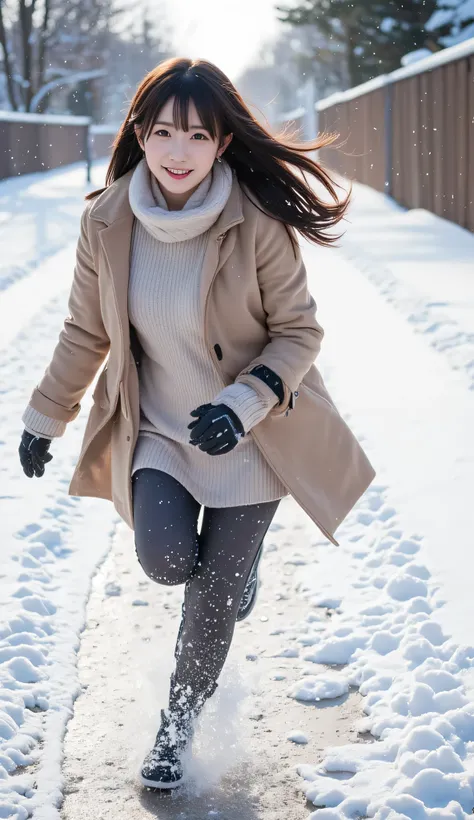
{"points": [[218, 351]]}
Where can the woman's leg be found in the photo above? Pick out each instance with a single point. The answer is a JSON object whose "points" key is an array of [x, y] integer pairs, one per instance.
{"points": [[165, 517], [213, 564], [229, 540]]}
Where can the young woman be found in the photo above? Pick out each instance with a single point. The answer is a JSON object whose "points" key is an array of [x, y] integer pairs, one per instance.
{"points": [[190, 277]]}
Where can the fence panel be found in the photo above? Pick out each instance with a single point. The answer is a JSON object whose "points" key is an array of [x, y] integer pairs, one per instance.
{"points": [[470, 147], [449, 142], [415, 132], [462, 134], [359, 151], [426, 142], [376, 137], [35, 142]]}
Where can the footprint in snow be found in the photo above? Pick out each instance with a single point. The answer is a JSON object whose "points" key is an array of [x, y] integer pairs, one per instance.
{"points": [[288, 652], [28, 530], [297, 737], [112, 588]]}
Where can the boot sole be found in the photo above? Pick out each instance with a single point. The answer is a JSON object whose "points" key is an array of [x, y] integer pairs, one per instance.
{"points": [[157, 784]]}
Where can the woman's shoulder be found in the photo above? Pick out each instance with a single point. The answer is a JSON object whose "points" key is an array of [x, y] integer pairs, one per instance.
{"points": [[254, 211], [268, 228], [111, 202]]}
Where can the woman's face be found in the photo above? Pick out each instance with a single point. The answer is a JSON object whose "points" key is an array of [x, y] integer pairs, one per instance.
{"points": [[168, 149]]}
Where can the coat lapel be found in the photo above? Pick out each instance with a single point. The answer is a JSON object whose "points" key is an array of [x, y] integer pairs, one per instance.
{"points": [[113, 208], [116, 240], [218, 250], [217, 253]]}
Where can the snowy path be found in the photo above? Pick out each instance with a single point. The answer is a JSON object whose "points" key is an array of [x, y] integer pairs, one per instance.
{"points": [[423, 265], [388, 613], [51, 543], [404, 393], [39, 215], [244, 764]]}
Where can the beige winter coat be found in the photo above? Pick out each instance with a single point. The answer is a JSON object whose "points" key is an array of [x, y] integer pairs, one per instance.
{"points": [[256, 309]]}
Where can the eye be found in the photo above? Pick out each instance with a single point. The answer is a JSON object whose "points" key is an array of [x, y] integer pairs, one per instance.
{"points": [[164, 131]]}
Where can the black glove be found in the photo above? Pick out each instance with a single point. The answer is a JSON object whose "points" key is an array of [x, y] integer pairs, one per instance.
{"points": [[34, 454], [217, 429]]}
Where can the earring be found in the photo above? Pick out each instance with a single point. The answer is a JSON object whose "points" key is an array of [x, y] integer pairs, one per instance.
{"points": [[219, 159]]}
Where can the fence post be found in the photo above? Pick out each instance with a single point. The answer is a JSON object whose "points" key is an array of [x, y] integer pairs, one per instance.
{"points": [[388, 99]]}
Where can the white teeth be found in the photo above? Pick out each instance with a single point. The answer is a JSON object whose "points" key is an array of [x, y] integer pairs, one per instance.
{"points": [[174, 171]]}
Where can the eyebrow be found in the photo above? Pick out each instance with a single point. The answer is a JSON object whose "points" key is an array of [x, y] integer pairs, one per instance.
{"points": [[171, 125]]}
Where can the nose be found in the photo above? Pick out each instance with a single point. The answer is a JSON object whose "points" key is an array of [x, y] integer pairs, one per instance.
{"points": [[178, 151]]}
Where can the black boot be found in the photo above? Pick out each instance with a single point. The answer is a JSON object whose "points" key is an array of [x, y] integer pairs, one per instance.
{"points": [[162, 767], [249, 596]]}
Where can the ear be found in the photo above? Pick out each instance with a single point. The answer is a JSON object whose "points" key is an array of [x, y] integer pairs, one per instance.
{"points": [[226, 142], [138, 136]]}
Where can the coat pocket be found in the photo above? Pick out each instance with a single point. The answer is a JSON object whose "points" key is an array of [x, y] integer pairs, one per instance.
{"points": [[124, 401], [100, 395]]}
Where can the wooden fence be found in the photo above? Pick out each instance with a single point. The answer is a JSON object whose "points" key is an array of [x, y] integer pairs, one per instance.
{"points": [[411, 134], [40, 142]]}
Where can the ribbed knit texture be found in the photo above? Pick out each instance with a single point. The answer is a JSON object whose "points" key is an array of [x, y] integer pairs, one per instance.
{"points": [[177, 373], [40, 425]]}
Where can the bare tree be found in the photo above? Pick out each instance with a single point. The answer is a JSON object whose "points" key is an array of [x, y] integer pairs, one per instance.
{"points": [[7, 59], [131, 55], [45, 39]]}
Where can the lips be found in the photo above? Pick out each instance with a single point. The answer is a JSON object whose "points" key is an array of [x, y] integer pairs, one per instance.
{"points": [[177, 176]]}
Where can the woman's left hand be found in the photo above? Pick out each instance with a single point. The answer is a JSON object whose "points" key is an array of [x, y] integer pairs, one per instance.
{"points": [[217, 429]]}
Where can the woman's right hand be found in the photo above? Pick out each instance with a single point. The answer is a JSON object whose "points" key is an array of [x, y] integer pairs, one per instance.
{"points": [[33, 451]]}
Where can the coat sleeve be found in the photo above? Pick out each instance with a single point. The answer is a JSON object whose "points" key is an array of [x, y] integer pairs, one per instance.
{"points": [[295, 334], [82, 346]]}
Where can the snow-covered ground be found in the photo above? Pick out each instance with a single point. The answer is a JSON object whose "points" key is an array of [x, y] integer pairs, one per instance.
{"points": [[397, 304], [51, 544]]}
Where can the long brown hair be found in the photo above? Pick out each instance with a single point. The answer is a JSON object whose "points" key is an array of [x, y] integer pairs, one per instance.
{"points": [[262, 161]]}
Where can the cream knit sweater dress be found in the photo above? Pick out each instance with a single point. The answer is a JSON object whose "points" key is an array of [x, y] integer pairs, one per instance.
{"points": [[177, 373]]}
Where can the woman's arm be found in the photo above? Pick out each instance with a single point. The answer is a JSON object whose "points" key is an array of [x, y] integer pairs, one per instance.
{"points": [[250, 406], [82, 347], [40, 425], [295, 334]]}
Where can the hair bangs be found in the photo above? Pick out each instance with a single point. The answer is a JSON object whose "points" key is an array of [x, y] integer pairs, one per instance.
{"points": [[183, 89]]}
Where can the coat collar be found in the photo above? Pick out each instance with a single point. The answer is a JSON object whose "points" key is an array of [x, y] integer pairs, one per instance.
{"points": [[113, 205]]}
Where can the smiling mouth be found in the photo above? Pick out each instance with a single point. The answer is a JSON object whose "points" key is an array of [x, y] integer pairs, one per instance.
{"points": [[177, 174]]}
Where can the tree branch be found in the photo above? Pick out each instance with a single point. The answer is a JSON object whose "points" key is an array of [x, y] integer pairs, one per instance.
{"points": [[7, 62]]}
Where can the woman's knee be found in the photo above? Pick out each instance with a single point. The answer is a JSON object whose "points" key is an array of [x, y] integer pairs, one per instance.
{"points": [[169, 563], [165, 518]]}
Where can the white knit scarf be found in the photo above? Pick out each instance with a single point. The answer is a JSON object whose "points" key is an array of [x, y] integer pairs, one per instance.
{"points": [[199, 213]]}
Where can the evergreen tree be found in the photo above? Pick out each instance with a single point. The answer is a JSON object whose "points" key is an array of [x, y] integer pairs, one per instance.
{"points": [[452, 22], [374, 34]]}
